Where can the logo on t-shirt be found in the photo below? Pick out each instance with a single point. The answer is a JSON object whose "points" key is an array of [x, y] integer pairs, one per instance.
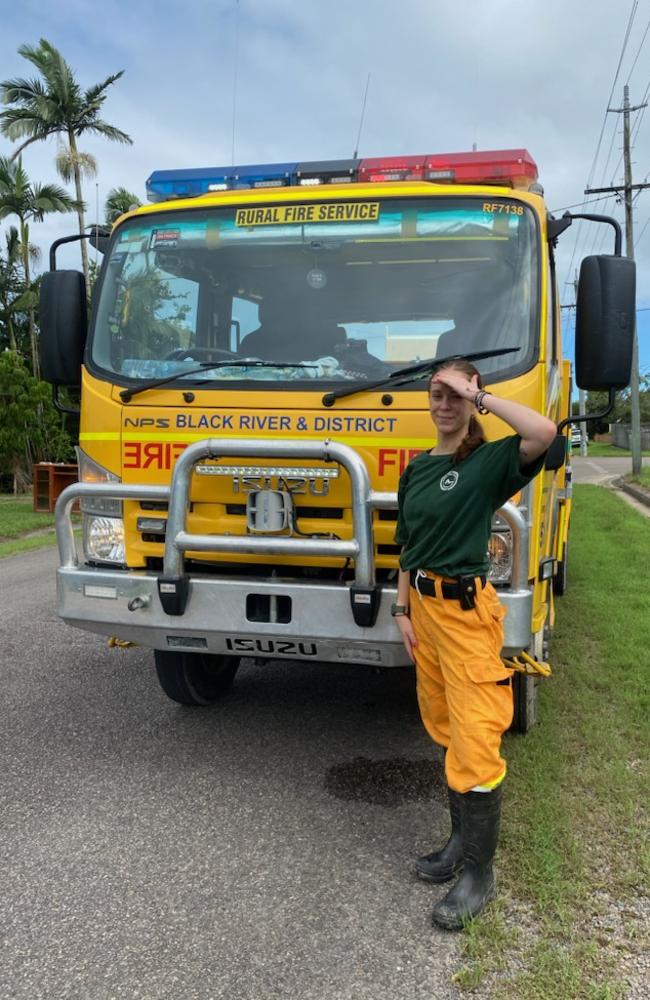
{"points": [[449, 480]]}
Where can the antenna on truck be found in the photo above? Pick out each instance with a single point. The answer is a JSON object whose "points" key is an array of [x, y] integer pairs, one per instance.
{"points": [[363, 111], [234, 83]]}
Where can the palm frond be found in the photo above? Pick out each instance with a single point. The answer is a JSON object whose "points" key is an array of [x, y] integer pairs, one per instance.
{"points": [[118, 201], [96, 92], [109, 132], [51, 198], [18, 122], [20, 90], [12, 240], [27, 300]]}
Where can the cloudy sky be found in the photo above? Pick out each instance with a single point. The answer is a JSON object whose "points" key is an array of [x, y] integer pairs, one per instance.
{"points": [[498, 73]]}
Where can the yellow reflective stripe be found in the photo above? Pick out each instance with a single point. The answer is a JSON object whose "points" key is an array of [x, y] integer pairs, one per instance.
{"points": [[489, 786], [100, 436], [149, 435]]}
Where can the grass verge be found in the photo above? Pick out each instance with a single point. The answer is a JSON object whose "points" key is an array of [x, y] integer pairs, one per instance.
{"points": [[17, 520], [17, 517], [14, 546], [643, 478], [601, 449], [573, 859]]}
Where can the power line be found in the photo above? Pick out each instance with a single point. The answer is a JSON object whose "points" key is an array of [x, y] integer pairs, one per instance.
{"points": [[638, 52], [645, 226], [581, 235], [579, 204], [630, 21]]}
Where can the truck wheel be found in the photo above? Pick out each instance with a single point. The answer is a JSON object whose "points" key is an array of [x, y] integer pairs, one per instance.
{"points": [[524, 693], [195, 678], [560, 580]]}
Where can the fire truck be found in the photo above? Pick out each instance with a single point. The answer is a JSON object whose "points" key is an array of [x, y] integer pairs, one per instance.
{"points": [[253, 382]]}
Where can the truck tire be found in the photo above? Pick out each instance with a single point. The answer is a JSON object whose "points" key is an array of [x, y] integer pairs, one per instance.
{"points": [[560, 580], [524, 693], [194, 678]]}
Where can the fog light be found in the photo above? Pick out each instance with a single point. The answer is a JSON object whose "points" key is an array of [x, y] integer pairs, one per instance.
{"points": [[103, 538]]}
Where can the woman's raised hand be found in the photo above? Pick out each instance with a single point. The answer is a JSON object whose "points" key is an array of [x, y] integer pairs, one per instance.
{"points": [[463, 386]]}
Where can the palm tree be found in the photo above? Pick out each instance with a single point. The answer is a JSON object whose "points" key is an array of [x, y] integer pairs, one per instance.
{"points": [[53, 105], [15, 297], [29, 202], [119, 201]]}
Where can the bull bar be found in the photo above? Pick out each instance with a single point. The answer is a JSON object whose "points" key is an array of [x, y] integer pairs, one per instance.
{"points": [[208, 611]]}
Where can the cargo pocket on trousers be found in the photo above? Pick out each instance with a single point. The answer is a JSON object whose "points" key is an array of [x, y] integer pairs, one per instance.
{"points": [[488, 699], [491, 613]]}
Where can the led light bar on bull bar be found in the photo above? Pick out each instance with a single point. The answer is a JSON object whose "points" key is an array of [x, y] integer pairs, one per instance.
{"points": [[314, 472], [513, 168]]}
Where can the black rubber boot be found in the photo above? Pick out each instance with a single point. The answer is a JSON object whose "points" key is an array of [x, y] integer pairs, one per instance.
{"points": [[480, 814], [442, 865]]}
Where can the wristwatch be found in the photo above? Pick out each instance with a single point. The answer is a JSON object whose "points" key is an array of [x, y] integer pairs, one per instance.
{"points": [[398, 609]]}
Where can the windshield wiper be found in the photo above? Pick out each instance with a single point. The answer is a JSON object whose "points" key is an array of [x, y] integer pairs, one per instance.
{"points": [[412, 372], [128, 394]]}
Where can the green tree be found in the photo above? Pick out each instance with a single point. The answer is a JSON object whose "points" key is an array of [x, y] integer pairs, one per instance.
{"points": [[31, 429], [56, 104], [14, 298], [119, 201], [28, 202]]}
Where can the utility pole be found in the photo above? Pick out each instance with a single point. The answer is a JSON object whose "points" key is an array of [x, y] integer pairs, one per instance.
{"points": [[627, 188], [582, 395]]}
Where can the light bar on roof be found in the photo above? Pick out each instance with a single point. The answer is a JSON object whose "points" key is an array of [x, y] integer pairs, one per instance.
{"points": [[391, 168], [165, 184], [264, 175], [317, 172], [508, 167], [513, 168]]}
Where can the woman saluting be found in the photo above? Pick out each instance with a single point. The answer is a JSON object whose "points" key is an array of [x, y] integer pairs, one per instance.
{"points": [[450, 618]]}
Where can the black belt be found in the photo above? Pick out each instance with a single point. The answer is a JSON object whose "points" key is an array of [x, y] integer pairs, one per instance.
{"points": [[462, 589]]}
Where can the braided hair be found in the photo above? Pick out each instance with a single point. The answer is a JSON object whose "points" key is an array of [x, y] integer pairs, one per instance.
{"points": [[475, 434]]}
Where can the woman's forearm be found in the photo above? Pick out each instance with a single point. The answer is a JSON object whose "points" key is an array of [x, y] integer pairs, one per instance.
{"points": [[403, 586], [536, 430]]}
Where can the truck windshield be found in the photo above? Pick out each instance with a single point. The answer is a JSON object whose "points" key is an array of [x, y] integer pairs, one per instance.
{"points": [[346, 290]]}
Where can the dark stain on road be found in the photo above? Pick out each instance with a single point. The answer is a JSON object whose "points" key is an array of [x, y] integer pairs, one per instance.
{"points": [[386, 782]]}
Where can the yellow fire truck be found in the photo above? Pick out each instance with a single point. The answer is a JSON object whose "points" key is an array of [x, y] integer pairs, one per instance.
{"points": [[253, 383]]}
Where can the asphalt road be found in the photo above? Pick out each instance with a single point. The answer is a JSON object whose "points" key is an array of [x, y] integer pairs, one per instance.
{"points": [[599, 470], [259, 849]]}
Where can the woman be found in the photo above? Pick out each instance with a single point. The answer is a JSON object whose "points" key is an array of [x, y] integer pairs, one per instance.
{"points": [[450, 619]]}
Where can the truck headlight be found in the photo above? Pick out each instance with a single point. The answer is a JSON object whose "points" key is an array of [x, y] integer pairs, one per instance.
{"points": [[500, 552], [103, 538], [91, 472]]}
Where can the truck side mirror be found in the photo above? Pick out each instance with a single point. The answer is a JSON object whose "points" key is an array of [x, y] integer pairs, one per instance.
{"points": [[64, 325], [99, 238], [605, 314]]}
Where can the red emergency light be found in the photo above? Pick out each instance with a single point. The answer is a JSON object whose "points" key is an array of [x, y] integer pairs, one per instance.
{"points": [[382, 169], [507, 167]]}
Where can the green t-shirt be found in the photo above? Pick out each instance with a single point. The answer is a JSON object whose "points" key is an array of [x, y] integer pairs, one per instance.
{"points": [[445, 510]]}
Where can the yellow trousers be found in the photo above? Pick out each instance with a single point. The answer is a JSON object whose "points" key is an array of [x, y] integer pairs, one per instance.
{"points": [[464, 690]]}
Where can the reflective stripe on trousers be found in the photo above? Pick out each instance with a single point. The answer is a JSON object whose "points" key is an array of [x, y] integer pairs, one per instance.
{"points": [[458, 669]]}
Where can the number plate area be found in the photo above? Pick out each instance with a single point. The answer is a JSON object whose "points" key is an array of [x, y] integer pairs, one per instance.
{"points": [[236, 616]]}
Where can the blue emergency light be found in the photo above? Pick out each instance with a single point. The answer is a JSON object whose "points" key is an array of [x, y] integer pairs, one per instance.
{"points": [[163, 185]]}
